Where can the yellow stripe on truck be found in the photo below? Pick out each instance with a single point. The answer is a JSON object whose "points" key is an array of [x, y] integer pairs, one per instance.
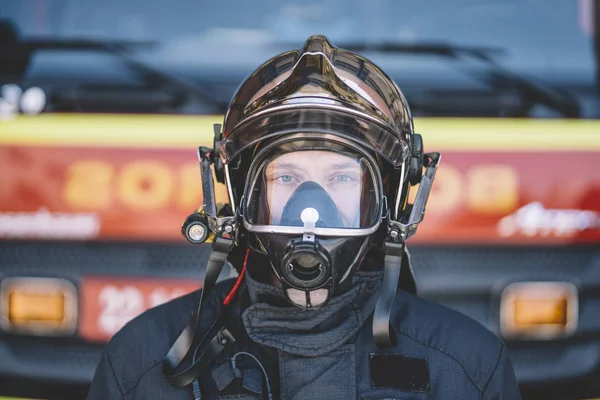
{"points": [[162, 131], [183, 131]]}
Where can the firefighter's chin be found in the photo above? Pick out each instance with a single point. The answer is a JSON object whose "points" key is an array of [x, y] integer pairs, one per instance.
{"points": [[308, 299]]}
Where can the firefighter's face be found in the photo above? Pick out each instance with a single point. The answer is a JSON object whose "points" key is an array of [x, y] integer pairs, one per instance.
{"points": [[339, 175]]}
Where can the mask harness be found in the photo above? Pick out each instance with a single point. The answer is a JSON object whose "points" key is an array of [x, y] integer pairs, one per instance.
{"points": [[192, 353]]}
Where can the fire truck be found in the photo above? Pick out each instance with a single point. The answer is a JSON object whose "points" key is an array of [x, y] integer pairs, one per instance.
{"points": [[103, 105]]}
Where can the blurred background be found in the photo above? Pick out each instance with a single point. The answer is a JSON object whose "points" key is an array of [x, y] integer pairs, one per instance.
{"points": [[103, 103]]}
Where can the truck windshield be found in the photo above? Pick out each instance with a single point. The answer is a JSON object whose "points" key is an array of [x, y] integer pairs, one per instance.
{"points": [[214, 45]]}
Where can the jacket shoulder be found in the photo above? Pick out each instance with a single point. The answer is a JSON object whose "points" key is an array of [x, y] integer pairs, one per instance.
{"points": [[144, 341], [468, 343]]}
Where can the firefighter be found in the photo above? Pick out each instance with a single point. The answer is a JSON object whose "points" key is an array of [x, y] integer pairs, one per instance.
{"points": [[318, 153]]}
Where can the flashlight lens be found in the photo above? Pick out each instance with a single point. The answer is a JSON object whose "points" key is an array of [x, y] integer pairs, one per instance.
{"points": [[197, 232]]}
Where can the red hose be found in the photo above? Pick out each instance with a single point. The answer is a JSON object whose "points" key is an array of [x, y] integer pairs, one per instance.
{"points": [[238, 282]]}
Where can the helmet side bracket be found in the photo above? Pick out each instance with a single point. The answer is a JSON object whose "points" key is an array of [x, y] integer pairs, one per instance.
{"points": [[407, 223], [206, 222]]}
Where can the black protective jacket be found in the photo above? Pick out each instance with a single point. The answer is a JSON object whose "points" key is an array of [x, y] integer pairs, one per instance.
{"points": [[440, 354]]}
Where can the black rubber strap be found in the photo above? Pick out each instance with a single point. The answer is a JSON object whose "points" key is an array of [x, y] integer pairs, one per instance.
{"points": [[182, 351], [383, 334]]}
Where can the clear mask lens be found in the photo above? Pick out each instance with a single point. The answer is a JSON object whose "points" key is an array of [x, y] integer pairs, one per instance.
{"points": [[335, 190]]}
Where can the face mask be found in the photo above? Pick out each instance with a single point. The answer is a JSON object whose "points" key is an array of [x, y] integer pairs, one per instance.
{"points": [[313, 213], [309, 267]]}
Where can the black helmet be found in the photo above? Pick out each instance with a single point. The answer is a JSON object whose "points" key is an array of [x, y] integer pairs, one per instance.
{"points": [[321, 89], [354, 130]]}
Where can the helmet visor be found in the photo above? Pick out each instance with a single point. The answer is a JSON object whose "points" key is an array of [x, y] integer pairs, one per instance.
{"points": [[316, 118], [328, 189]]}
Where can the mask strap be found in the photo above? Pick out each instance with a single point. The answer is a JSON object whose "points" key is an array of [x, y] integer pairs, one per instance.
{"points": [[185, 348], [383, 334], [398, 233]]}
